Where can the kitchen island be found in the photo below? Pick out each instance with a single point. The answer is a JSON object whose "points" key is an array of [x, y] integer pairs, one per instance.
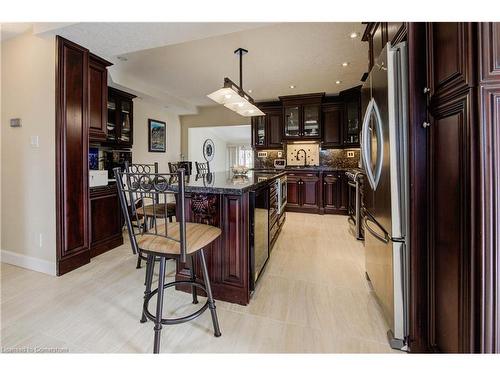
{"points": [[223, 200]]}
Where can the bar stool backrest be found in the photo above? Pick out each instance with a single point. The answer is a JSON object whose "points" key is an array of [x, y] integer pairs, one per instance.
{"points": [[153, 190], [202, 168]]}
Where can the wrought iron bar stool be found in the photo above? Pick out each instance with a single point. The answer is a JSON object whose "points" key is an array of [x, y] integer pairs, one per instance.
{"points": [[163, 240], [202, 168], [160, 211]]}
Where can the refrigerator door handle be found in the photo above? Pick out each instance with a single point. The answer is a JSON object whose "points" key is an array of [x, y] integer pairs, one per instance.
{"points": [[385, 238], [372, 175]]}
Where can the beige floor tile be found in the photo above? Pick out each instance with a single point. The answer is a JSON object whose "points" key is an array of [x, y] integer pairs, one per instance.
{"points": [[312, 298]]}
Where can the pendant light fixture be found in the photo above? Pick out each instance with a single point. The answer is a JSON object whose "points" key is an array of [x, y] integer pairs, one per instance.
{"points": [[233, 97]]}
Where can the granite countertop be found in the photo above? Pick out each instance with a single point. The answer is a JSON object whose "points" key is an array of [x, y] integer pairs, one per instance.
{"points": [[227, 183]]}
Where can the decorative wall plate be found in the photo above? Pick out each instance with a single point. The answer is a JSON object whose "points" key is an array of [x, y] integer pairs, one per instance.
{"points": [[208, 150]]}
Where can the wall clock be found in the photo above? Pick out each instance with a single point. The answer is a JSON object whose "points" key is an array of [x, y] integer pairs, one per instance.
{"points": [[208, 150]]}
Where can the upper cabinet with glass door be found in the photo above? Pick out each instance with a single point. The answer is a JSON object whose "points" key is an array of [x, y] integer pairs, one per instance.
{"points": [[352, 100], [267, 130], [120, 118], [302, 116]]}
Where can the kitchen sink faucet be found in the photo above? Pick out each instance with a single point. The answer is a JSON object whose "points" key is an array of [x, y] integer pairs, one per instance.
{"points": [[305, 156]]}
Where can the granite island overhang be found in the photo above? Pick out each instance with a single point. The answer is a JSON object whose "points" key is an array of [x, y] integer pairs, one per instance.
{"points": [[222, 199]]}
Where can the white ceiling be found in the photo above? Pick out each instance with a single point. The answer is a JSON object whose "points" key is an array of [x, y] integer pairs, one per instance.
{"points": [[178, 64], [306, 55]]}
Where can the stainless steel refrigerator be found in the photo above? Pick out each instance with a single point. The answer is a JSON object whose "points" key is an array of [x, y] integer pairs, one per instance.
{"points": [[385, 160]]}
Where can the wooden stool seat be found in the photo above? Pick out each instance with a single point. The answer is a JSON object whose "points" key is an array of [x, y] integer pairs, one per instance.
{"points": [[197, 237]]}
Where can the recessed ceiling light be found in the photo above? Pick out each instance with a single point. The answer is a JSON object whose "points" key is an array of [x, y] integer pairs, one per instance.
{"points": [[122, 58], [292, 86], [250, 91], [354, 35], [338, 82], [345, 63]]}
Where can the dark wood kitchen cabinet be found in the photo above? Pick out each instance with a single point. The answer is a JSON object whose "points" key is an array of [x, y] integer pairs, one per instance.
{"points": [[81, 92], [72, 129], [98, 97], [451, 100], [106, 220], [120, 125], [335, 193], [293, 191], [267, 130], [227, 257], [352, 116], [302, 116], [377, 34], [303, 192], [333, 125]]}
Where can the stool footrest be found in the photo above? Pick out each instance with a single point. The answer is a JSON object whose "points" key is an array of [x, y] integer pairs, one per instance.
{"points": [[182, 319]]}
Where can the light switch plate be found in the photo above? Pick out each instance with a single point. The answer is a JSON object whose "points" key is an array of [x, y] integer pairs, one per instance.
{"points": [[262, 154], [280, 154], [15, 122], [350, 154], [34, 141]]}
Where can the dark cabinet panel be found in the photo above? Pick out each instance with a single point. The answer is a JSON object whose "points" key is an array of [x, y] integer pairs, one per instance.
{"points": [[227, 257], [377, 34], [489, 33], [105, 220], [331, 192], [449, 65], [335, 193], [379, 39], [98, 92], [395, 31], [333, 124], [310, 191], [267, 131], [72, 155], [275, 128], [303, 192], [449, 243], [293, 190], [449, 76]]}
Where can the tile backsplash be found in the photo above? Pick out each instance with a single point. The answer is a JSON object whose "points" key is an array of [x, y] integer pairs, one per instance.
{"points": [[336, 158], [311, 151], [268, 161]]}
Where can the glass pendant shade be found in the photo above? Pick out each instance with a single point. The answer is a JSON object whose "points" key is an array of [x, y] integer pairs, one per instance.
{"points": [[231, 99]]}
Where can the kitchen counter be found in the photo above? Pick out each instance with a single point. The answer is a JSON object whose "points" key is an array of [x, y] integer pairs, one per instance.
{"points": [[222, 200], [227, 183]]}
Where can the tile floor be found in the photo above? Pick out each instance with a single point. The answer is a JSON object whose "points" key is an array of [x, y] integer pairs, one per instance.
{"points": [[312, 298]]}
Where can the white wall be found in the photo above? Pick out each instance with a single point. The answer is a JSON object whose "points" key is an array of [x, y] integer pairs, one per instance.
{"points": [[197, 137], [143, 111], [27, 173]]}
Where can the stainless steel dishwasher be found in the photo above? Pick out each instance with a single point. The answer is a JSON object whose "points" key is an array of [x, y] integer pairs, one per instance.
{"points": [[259, 232]]}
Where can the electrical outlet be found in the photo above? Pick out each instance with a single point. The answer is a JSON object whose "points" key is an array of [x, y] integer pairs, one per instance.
{"points": [[280, 154], [350, 154]]}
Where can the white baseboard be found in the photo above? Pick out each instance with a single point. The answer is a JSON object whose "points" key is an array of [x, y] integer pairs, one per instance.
{"points": [[25, 261]]}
